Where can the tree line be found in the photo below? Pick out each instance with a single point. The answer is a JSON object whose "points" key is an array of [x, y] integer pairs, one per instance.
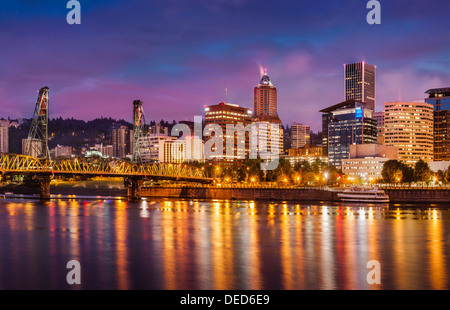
{"points": [[395, 171]]}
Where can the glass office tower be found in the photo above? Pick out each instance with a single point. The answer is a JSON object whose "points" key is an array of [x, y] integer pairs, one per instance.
{"points": [[440, 99], [360, 83], [349, 122]]}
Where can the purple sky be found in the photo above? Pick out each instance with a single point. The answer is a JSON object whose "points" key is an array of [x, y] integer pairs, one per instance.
{"points": [[177, 56]]}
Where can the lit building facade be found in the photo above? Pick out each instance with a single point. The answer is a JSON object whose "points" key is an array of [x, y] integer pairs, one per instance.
{"points": [[439, 98], [366, 160], [105, 150], [122, 140], [268, 126], [224, 114], [36, 147], [307, 150], [409, 127], [360, 83], [270, 135], [379, 116], [61, 151], [265, 101], [181, 151], [300, 135], [150, 146], [4, 140], [344, 124]]}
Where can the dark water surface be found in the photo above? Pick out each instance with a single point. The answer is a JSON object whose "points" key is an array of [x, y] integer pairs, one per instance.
{"points": [[171, 244]]}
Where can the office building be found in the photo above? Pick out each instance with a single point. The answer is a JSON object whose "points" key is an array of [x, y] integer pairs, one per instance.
{"points": [[409, 127], [61, 151], [181, 151], [122, 140], [36, 147], [379, 117], [150, 146], [307, 150], [224, 114], [269, 138], [366, 161], [439, 98], [300, 135], [344, 124], [265, 101], [158, 129], [360, 83], [105, 150], [4, 134]]}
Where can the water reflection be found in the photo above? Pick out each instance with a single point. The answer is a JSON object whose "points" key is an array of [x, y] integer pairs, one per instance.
{"points": [[221, 245]]}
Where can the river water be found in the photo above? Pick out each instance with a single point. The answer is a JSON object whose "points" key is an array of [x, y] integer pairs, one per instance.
{"points": [[182, 244]]}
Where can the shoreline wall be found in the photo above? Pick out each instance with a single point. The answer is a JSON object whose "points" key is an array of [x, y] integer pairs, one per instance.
{"points": [[313, 194]]}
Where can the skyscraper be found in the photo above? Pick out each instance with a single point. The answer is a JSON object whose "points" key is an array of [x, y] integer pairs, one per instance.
{"points": [[122, 139], [346, 123], [265, 116], [265, 101], [360, 83], [440, 99], [409, 127], [300, 135], [4, 141], [379, 116]]}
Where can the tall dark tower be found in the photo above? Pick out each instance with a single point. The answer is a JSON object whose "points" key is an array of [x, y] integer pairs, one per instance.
{"points": [[360, 83], [138, 129], [265, 101], [37, 142]]}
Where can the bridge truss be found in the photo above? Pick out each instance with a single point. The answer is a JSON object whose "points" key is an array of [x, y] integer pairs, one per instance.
{"points": [[22, 164]]}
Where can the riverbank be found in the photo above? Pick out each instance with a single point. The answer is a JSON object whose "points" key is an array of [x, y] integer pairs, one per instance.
{"points": [[115, 188], [290, 194], [78, 188]]}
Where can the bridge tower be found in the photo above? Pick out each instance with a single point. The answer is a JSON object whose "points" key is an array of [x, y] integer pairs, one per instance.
{"points": [[37, 142], [138, 129]]}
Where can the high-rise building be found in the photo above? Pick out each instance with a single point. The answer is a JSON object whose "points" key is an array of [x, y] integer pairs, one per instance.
{"points": [[360, 83], [300, 135], [61, 151], [4, 140], [265, 117], [122, 139], [105, 150], [223, 114], [344, 124], [379, 116], [179, 151], [440, 99], [409, 127], [35, 149], [158, 129], [265, 101], [150, 146], [269, 138]]}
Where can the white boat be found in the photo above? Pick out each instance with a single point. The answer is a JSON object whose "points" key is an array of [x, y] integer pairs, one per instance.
{"points": [[364, 195]]}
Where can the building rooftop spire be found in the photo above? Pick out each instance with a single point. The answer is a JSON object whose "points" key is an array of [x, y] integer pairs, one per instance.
{"points": [[265, 80]]}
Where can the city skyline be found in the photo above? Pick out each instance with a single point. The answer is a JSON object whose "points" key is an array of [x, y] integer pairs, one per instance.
{"points": [[115, 57]]}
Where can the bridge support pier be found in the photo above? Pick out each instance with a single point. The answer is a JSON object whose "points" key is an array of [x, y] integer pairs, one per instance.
{"points": [[134, 186], [44, 186]]}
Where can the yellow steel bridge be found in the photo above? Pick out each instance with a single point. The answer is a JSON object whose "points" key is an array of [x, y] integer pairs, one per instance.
{"points": [[134, 173]]}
